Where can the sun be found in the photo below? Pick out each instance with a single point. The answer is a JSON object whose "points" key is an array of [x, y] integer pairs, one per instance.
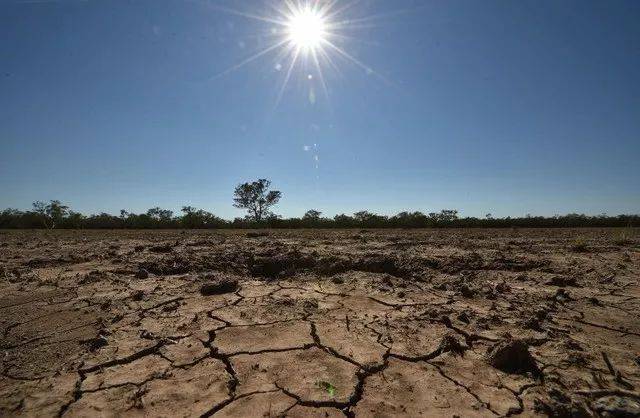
{"points": [[306, 29], [307, 38]]}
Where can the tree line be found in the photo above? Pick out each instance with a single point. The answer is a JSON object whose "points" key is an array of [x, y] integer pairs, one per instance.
{"points": [[256, 198], [54, 214]]}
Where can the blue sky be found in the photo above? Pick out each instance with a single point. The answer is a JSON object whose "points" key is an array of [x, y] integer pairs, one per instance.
{"points": [[507, 107]]}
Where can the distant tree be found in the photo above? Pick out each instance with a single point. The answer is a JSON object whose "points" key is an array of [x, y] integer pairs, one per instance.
{"points": [[11, 218], [74, 220], [410, 220], [103, 221], [312, 215], [449, 215], [343, 221], [256, 198], [198, 218], [52, 213], [363, 216], [189, 217], [446, 217], [369, 219], [158, 214]]}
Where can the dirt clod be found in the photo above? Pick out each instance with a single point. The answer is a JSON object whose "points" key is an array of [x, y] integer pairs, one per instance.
{"points": [[95, 343], [451, 344], [166, 248], [617, 406], [142, 273], [512, 356], [257, 234], [562, 281], [219, 286]]}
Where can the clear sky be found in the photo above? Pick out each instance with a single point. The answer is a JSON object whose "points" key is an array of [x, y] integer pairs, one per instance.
{"points": [[507, 107]]}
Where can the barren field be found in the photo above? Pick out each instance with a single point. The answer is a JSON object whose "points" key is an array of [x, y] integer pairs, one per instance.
{"points": [[451, 323]]}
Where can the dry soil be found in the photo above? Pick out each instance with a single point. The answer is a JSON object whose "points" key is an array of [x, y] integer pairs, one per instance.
{"points": [[466, 323]]}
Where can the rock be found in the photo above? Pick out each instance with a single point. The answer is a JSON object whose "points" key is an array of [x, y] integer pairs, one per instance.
{"points": [[142, 274], [219, 287], [512, 356], [617, 406]]}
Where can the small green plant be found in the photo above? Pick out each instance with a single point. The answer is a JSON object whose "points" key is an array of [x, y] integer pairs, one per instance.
{"points": [[326, 386]]}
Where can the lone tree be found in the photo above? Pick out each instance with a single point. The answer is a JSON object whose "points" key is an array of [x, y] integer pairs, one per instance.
{"points": [[312, 215], [256, 198], [52, 213]]}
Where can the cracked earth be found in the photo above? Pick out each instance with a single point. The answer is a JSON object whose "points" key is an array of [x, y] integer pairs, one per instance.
{"points": [[451, 323]]}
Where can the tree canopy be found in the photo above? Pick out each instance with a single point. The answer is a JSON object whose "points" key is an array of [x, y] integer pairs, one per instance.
{"points": [[256, 198]]}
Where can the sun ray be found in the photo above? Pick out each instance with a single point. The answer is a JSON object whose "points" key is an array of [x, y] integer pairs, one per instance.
{"points": [[294, 58], [351, 39], [329, 60], [247, 15], [323, 10], [248, 60], [333, 13], [351, 23], [320, 74], [354, 60]]}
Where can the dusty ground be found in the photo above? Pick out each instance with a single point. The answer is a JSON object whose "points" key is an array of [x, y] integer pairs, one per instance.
{"points": [[448, 323]]}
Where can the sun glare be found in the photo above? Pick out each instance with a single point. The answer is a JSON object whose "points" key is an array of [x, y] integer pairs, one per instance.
{"points": [[307, 37], [306, 29]]}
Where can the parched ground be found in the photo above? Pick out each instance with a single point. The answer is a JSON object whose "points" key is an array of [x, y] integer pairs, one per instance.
{"points": [[451, 323]]}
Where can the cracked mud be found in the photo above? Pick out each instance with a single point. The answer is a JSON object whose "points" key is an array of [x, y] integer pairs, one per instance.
{"points": [[466, 323]]}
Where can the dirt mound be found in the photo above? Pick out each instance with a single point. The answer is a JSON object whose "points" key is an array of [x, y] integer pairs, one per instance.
{"points": [[164, 248], [218, 286], [562, 281], [280, 265], [257, 234]]}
